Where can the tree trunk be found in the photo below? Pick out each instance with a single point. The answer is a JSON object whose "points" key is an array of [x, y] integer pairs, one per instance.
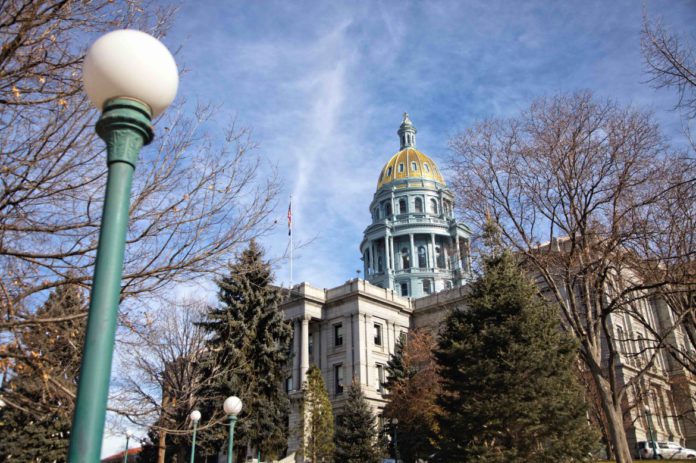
{"points": [[161, 447], [614, 417]]}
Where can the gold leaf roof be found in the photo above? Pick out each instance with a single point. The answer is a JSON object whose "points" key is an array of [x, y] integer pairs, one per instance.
{"points": [[409, 163]]}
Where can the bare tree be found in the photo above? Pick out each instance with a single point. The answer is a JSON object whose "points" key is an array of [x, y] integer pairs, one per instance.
{"points": [[573, 185], [162, 377], [199, 190], [670, 62]]}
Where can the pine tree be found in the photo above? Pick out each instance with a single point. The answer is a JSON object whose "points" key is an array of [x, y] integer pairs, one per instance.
{"points": [[356, 436], [509, 389], [317, 436], [249, 347], [35, 423], [396, 371]]}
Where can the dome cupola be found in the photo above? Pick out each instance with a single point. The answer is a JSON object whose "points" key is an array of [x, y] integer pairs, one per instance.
{"points": [[414, 245]]}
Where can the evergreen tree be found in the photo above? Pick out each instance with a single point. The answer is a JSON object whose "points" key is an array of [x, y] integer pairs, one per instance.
{"points": [[35, 422], [317, 435], [396, 370], [249, 347], [356, 436], [509, 389]]}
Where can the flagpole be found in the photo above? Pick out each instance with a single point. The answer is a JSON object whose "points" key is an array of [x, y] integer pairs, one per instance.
{"points": [[290, 230]]}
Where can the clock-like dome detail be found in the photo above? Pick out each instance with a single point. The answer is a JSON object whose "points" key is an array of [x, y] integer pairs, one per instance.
{"points": [[409, 163]]}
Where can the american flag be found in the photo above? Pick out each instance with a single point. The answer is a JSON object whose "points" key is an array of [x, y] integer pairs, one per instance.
{"points": [[290, 219]]}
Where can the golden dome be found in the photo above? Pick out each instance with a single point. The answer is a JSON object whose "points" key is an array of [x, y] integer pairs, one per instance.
{"points": [[409, 163]]}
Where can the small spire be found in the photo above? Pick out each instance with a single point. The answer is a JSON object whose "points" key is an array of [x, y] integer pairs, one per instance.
{"points": [[407, 133]]}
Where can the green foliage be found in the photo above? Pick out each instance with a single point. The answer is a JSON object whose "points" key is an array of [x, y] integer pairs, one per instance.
{"points": [[396, 370], [356, 436], [35, 423], [509, 390], [249, 347], [317, 436]]}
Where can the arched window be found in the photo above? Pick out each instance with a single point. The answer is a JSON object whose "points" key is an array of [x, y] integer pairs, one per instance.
{"points": [[419, 205], [404, 289], [433, 206], [402, 206], [421, 257], [448, 284], [405, 259], [387, 210], [368, 260], [440, 257]]}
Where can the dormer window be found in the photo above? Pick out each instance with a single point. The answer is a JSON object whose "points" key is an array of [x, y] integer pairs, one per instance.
{"points": [[426, 167], [414, 166], [389, 171], [401, 167]]}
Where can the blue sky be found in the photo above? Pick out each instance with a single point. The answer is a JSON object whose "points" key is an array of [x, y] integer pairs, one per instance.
{"points": [[323, 86]]}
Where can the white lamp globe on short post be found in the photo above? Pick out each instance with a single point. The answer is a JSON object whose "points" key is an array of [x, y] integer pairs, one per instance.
{"points": [[232, 407], [131, 77], [195, 418], [129, 434]]}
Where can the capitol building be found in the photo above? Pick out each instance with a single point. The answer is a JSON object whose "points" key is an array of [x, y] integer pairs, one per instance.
{"points": [[416, 264]]}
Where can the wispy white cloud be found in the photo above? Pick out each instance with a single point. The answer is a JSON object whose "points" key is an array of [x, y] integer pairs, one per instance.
{"points": [[323, 85]]}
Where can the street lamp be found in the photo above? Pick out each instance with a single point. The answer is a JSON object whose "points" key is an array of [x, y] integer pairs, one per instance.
{"points": [[395, 422], [648, 418], [129, 434], [232, 407], [131, 77], [195, 418]]}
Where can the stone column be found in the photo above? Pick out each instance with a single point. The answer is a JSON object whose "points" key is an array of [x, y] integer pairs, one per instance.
{"points": [[433, 256], [413, 251], [304, 350], [296, 356], [459, 253]]}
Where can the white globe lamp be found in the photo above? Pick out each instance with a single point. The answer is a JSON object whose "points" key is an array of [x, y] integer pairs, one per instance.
{"points": [[130, 64]]}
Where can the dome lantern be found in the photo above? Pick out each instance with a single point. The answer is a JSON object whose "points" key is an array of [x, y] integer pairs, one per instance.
{"points": [[407, 133]]}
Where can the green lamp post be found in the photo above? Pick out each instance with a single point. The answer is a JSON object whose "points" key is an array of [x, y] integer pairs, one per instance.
{"points": [[395, 422], [125, 454], [195, 418], [132, 78], [232, 407], [648, 418]]}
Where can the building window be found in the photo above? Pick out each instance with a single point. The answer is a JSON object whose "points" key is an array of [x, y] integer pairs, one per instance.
{"points": [[388, 209], [402, 206], [389, 171], [421, 257], [380, 378], [433, 206], [419, 205], [378, 334], [427, 289], [379, 264], [288, 384], [338, 378], [426, 167], [404, 289], [401, 167], [405, 260], [448, 284], [310, 347], [440, 257], [338, 335], [414, 166]]}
